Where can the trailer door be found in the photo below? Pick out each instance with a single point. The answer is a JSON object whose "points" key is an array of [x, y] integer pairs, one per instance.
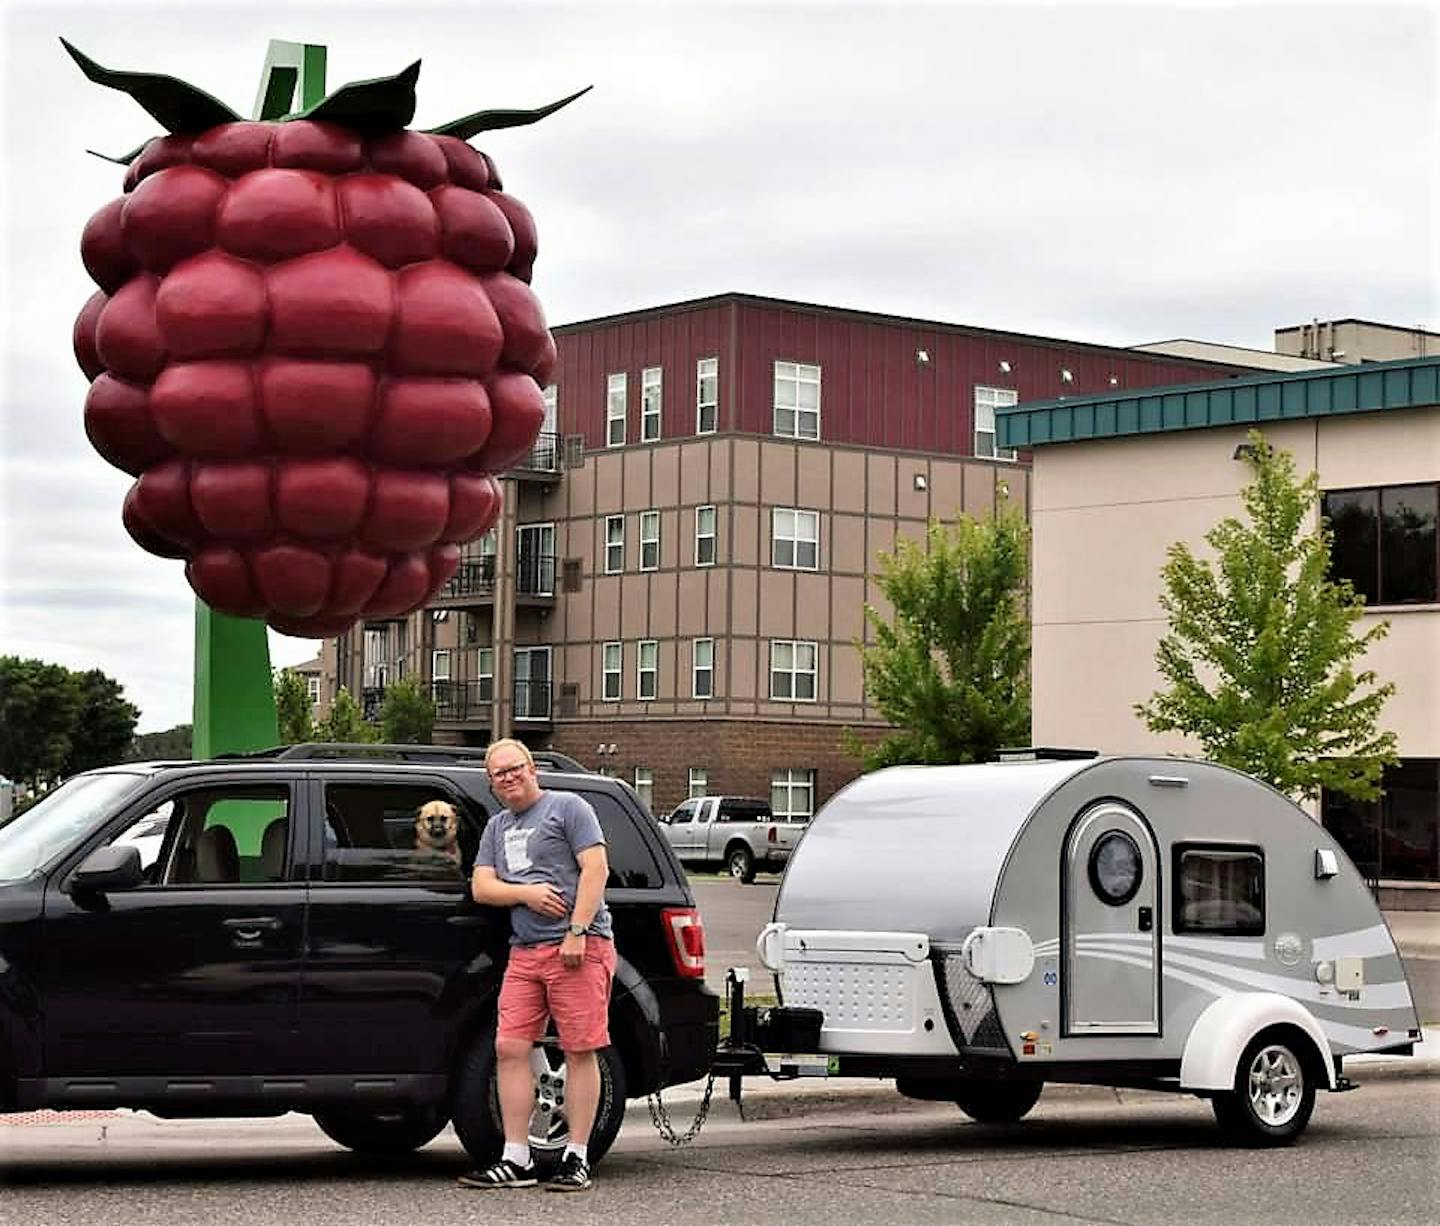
{"points": [[1111, 895]]}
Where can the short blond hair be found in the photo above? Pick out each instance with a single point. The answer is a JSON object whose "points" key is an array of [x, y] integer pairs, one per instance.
{"points": [[509, 742]]}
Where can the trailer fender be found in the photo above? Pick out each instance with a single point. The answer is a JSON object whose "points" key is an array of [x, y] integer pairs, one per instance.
{"points": [[1221, 1033]]}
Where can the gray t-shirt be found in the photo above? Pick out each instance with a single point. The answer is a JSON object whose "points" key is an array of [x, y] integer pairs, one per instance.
{"points": [[540, 845]]}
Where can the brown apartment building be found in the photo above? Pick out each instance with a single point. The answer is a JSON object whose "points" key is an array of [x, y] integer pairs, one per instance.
{"points": [[677, 584]]}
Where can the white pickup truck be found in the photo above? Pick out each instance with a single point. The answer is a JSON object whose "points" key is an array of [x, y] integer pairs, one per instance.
{"points": [[738, 832]]}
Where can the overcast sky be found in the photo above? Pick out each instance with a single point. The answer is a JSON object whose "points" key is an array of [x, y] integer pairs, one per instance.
{"points": [[1114, 173]]}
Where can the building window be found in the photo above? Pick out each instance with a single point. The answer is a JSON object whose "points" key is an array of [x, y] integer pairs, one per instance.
{"points": [[792, 794], [987, 400], [485, 673], [440, 665], [792, 671], [552, 410], [650, 404], [704, 658], [649, 540], [535, 559], [797, 400], [707, 395], [704, 536], [611, 657], [532, 683], [699, 782], [312, 690], [1219, 890], [1385, 542], [614, 544], [645, 786], [1395, 838], [616, 399], [647, 670], [794, 539]]}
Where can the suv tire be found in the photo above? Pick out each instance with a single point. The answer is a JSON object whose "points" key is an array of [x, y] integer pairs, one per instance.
{"points": [[382, 1134], [476, 1109], [740, 863]]}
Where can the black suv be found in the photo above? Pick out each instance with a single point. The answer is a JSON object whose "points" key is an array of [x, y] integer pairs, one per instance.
{"points": [[255, 935]]}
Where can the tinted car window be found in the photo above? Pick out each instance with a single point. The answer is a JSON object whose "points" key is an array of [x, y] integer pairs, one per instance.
{"points": [[632, 863], [744, 811], [373, 834]]}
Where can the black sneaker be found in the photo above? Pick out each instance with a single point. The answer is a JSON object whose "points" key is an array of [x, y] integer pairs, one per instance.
{"points": [[573, 1175], [504, 1174]]}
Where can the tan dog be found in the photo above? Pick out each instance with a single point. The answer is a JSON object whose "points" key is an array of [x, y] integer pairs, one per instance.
{"points": [[437, 831]]}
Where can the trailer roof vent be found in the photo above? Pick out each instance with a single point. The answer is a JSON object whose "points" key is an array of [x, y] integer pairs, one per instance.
{"points": [[1044, 753]]}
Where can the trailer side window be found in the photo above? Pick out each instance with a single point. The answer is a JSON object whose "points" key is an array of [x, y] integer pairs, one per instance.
{"points": [[1219, 890]]}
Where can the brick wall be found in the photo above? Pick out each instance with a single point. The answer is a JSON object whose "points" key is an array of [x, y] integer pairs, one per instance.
{"points": [[739, 755]]}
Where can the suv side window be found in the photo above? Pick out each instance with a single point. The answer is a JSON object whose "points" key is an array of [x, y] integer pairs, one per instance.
{"points": [[632, 863], [237, 834], [374, 833]]}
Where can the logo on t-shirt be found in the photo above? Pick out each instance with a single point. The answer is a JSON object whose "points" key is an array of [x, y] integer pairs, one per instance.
{"points": [[517, 849]]}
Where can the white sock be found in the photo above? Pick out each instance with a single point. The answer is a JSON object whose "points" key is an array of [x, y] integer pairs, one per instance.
{"points": [[517, 1152], [582, 1151]]}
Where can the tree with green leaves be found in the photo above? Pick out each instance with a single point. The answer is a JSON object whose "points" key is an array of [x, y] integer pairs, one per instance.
{"points": [[39, 703], [407, 714], [952, 670], [1261, 655], [345, 721], [104, 723], [293, 709], [173, 744]]}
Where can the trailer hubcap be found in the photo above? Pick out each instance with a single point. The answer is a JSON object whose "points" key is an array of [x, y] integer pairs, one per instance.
{"points": [[1276, 1085]]}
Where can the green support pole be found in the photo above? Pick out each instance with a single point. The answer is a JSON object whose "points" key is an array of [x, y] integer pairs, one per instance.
{"points": [[234, 702]]}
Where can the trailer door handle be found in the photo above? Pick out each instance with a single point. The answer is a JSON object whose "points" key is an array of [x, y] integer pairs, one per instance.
{"points": [[1147, 919]]}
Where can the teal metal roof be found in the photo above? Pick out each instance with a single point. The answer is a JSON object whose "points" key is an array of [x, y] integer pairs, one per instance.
{"points": [[1404, 384]]}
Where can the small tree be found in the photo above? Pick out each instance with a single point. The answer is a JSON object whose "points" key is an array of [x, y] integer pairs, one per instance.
{"points": [[952, 672], [173, 743], [293, 709], [104, 722], [345, 722], [407, 716], [1261, 648], [39, 703]]}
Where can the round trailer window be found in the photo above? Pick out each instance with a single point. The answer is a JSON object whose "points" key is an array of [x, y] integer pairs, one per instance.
{"points": [[1115, 868]]}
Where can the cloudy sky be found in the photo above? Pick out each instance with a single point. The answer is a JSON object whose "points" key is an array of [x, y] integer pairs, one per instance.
{"points": [[1117, 173]]}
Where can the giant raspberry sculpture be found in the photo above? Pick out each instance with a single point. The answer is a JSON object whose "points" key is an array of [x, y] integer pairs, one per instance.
{"points": [[314, 344]]}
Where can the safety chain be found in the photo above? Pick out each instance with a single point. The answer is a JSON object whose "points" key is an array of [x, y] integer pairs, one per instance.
{"points": [[661, 1117]]}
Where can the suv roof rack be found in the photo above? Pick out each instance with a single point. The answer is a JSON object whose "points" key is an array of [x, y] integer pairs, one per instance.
{"points": [[548, 759], [1044, 753]]}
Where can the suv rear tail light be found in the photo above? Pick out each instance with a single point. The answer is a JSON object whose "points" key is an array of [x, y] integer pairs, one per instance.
{"points": [[685, 935]]}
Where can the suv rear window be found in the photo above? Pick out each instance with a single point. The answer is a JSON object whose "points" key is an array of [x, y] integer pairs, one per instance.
{"points": [[632, 863]]}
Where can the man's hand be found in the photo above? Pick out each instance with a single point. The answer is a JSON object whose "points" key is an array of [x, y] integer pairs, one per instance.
{"points": [[546, 900], [572, 951]]}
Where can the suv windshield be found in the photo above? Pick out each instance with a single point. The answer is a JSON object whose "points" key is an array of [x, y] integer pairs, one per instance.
{"points": [[38, 835]]}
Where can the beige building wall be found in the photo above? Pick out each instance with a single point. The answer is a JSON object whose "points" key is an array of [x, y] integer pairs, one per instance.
{"points": [[1104, 514]]}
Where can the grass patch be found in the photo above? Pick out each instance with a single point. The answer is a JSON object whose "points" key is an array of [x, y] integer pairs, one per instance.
{"points": [[764, 1000]]}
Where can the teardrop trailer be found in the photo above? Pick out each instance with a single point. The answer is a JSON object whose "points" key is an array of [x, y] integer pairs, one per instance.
{"points": [[977, 931]]}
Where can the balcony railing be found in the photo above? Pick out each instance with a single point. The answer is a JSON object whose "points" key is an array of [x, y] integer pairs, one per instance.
{"points": [[535, 574], [544, 456], [473, 577], [532, 700], [462, 701]]}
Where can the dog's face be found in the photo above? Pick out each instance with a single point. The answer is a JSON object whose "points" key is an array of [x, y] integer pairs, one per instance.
{"points": [[437, 832]]}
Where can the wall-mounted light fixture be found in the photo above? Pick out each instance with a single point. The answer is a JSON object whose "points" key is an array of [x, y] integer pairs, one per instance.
{"points": [[1004, 367], [1243, 451], [920, 482], [922, 357], [1066, 376], [1114, 381]]}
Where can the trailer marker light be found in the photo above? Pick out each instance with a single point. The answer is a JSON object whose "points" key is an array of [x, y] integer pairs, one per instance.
{"points": [[1029, 1035], [1380, 1030]]}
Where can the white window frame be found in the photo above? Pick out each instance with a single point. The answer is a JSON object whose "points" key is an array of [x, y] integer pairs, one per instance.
{"points": [[652, 394], [312, 690], [612, 672], [705, 647], [701, 537], [707, 395], [790, 379], [552, 409], [617, 404], [650, 647], [614, 548], [987, 400], [792, 783], [650, 520], [439, 656], [699, 777], [485, 656], [790, 529], [544, 535], [645, 786], [530, 653], [795, 650]]}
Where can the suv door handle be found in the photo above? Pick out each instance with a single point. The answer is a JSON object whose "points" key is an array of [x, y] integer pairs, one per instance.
{"points": [[249, 929], [468, 921]]}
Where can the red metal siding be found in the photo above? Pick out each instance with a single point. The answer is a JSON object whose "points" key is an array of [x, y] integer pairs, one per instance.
{"points": [[873, 390]]}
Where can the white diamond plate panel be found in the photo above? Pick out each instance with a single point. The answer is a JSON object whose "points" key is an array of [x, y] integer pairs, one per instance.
{"points": [[854, 996]]}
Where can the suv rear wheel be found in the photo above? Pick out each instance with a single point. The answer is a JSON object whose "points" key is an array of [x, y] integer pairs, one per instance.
{"points": [[476, 1109], [382, 1133]]}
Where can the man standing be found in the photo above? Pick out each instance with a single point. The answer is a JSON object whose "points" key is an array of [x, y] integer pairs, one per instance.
{"points": [[543, 856]]}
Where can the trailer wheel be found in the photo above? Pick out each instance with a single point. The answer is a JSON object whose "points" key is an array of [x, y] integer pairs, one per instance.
{"points": [[998, 1102], [1274, 1093], [740, 863]]}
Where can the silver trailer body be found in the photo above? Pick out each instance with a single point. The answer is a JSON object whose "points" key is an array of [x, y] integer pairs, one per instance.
{"points": [[1076, 915]]}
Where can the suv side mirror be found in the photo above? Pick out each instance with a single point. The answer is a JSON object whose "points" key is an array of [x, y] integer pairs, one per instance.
{"points": [[116, 867], [663, 818]]}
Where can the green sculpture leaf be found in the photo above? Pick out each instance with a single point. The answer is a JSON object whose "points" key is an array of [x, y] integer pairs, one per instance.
{"points": [[384, 104], [177, 105], [490, 121]]}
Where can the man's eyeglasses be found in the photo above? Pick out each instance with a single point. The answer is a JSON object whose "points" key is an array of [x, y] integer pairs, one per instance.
{"points": [[508, 772]]}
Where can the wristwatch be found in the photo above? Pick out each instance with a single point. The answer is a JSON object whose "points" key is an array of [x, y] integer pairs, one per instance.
{"points": [[577, 930]]}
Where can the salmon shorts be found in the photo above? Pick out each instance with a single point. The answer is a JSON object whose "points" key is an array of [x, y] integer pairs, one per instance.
{"points": [[538, 986]]}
